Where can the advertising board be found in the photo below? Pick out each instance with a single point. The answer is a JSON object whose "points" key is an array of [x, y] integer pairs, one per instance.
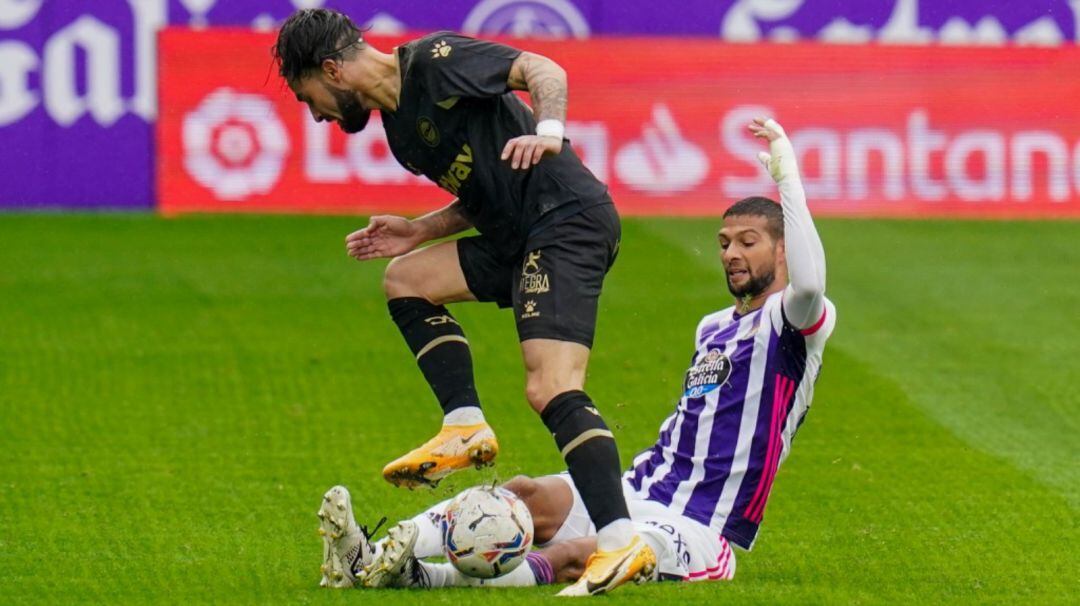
{"points": [[886, 131]]}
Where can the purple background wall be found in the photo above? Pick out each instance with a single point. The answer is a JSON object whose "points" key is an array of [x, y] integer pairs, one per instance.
{"points": [[78, 89]]}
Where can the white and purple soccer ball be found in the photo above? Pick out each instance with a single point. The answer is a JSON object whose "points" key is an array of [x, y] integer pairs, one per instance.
{"points": [[487, 532]]}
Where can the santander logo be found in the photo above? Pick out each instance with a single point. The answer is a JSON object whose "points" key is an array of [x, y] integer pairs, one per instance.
{"points": [[234, 144], [662, 160]]}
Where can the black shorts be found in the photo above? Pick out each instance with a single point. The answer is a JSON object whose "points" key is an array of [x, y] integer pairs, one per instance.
{"points": [[555, 286]]}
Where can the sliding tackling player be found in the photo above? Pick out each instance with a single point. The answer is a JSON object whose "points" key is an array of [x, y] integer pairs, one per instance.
{"points": [[548, 235], [702, 487]]}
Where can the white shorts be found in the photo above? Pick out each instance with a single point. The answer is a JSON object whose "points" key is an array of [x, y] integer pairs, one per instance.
{"points": [[685, 549]]}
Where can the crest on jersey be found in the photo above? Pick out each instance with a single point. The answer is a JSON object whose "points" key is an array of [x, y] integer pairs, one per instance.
{"points": [[709, 373], [427, 131]]}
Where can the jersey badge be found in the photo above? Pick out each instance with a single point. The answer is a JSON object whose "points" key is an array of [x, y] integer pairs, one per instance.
{"points": [[427, 131], [709, 373]]}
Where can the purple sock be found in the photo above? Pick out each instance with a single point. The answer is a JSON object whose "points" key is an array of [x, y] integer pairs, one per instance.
{"points": [[541, 568]]}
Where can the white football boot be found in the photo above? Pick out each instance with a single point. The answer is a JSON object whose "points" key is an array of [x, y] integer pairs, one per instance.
{"points": [[395, 565], [346, 546]]}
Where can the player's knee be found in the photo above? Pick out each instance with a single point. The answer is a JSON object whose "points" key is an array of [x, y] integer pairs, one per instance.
{"points": [[399, 280], [523, 486], [538, 392]]}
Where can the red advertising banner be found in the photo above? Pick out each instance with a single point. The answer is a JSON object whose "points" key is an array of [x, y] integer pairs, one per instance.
{"points": [[880, 130]]}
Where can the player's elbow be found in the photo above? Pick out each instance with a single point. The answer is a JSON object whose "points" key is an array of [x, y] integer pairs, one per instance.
{"points": [[557, 71], [545, 68], [808, 290], [809, 282]]}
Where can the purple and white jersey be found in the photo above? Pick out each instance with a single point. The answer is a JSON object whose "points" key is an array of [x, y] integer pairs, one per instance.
{"points": [[747, 391]]}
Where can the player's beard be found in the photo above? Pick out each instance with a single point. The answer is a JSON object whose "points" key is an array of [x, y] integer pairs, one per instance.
{"points": [[756, 285], [353, 115]]}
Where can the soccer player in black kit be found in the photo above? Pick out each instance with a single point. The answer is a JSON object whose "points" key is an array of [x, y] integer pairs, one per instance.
{"points": [[548, 229]]}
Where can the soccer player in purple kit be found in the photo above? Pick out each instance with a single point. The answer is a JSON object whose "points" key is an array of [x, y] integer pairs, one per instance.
{"points": [[702, 487]]}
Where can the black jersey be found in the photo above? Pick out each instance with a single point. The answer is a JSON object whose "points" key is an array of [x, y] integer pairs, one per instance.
{"points": [[454, 117]]}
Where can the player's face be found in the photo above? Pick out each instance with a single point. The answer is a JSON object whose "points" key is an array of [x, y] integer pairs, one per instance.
{"points": [[749, 255], [328, 102]]}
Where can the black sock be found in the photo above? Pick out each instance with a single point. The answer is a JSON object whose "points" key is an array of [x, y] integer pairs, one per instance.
{"points": [[590, 453], [441, 350]]}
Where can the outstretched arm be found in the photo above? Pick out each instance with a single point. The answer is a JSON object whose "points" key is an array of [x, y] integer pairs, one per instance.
{"points": [[804, 298], [546, 83], [390, 236]]}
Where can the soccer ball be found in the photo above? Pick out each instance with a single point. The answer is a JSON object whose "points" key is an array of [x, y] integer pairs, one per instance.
{"points": [[487, 532]]}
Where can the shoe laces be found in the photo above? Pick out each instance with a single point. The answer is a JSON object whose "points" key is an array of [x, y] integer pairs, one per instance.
{"points": [[418, 574], [370, 533], [356, 560]]}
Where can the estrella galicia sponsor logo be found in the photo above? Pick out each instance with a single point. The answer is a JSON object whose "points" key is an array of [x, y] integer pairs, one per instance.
{"points": [[427, 131], [711, 371]]}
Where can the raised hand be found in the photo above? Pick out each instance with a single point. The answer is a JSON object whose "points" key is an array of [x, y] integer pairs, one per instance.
{"points": [[780, 159], [385, 236]]}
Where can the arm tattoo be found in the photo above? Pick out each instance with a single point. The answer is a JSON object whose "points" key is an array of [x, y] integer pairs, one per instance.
{"points": [[456, 218], [549, 99], [446, 221], [518, 69], [546, 83]]}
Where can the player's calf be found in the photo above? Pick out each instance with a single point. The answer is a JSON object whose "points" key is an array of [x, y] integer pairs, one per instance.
{"points": [[592, 459], [442, 352]]}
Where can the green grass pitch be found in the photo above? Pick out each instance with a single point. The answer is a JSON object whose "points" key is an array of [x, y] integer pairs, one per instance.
{"points": [[175, 396]]}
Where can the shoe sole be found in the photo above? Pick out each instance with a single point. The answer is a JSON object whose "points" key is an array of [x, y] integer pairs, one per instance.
{"points": [[333, 525], [429, 474], [384, 570]]}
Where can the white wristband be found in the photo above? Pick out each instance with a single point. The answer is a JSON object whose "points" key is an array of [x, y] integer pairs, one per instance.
{"points": [[550, 128]]}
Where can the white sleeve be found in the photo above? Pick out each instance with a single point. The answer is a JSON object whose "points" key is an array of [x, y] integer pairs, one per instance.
{"points": [[804, 297]]}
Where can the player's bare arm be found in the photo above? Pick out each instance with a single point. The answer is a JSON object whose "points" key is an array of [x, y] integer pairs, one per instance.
{"points": [[391, 236], [546, 83]]}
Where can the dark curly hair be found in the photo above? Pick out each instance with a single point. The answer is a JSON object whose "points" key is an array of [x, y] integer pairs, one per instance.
{"points": [[310, 36], [760, 206]]}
